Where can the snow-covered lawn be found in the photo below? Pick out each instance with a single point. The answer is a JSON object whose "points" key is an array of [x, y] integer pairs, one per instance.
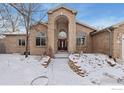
{"points": [[98, 68], [16, 70]]}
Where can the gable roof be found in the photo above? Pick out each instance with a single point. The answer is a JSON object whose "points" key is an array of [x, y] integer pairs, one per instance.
{"points": [[41, 23], [114, 26], [118, 24], [110, 27], [78, 22], [86, 25], [62, 6]]}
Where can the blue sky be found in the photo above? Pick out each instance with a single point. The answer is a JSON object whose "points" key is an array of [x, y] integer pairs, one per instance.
{"points": [[98, 15]]}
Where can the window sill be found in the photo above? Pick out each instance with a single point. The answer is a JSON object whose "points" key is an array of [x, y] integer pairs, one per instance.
{"points": [[40, 46], [80, 45], [21, 46]]}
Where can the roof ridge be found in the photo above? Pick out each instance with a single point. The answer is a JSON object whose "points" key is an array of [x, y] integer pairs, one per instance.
{"points": [[113, 25], [62, 6]]}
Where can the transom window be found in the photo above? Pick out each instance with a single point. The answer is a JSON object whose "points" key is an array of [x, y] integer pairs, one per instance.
{"points": [[62, 35], [40, 39], [21, 42], [80, 38]]}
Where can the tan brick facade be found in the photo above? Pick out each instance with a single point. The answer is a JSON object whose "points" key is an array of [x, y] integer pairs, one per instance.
{"points": [[52, 17], [117, 41], [12, 45], [88, 44], [58, 19], [36, 50], [100, 43], [107, 41], [103, 43]]}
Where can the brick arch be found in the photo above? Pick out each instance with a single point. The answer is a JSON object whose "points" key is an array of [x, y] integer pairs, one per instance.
{"points": [[61, 24], [61, 16], [68, 15]]}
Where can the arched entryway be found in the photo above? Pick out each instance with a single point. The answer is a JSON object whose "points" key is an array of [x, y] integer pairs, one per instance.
{"points": [[61, 33]]}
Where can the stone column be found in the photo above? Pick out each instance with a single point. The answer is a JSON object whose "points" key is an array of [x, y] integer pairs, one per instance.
{"points": [[51, 32], [72, 35]]}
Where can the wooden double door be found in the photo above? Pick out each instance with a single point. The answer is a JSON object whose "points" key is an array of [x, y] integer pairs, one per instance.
{"points": [[62, 44]]}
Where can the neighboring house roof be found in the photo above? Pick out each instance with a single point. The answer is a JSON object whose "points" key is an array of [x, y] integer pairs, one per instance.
{"points": [[15, 33], [84, 24], [62, 6]]}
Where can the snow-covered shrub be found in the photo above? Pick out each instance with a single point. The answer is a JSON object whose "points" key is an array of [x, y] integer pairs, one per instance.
{"points": [[49, 52]]}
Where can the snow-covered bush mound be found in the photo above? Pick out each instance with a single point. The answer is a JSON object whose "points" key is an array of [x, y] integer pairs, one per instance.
{"points": [[90, 62], [97, 65], [46, 60]]}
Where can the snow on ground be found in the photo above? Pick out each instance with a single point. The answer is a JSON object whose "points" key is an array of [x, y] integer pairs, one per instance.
{"points": [[16, 70], [63, 75], [97, 68], [2, 36]]}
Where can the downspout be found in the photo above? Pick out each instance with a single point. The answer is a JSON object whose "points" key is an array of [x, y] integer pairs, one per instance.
{"points": [[110, 42]]}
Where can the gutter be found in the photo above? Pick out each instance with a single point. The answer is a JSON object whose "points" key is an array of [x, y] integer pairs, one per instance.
{"points": [[110, 42]]}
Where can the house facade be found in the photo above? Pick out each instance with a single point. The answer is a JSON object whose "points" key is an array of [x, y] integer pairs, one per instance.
{"points": [[62, 32], [110, 41]]}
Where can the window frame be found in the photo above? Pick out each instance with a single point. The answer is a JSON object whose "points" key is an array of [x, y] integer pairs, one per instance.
{"points": [[81, 39], [21, 42], [42, 38]]}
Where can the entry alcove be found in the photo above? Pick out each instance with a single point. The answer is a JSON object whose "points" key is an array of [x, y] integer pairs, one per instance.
{"points": [[61, 33]]}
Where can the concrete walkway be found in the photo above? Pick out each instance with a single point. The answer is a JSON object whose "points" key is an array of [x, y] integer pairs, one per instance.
{"points": [[61, 74]]}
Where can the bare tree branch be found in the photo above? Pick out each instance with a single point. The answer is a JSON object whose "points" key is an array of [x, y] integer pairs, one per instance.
{"points": [[8, 18], [29, 15]]}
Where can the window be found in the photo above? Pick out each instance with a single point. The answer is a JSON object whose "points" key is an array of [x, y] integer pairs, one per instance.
{"points": [[21, 42], [80, 38], [62, 35], [40, 39]]}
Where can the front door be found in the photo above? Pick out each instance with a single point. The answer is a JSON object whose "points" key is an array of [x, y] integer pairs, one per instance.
{"points": [[62, 44]]}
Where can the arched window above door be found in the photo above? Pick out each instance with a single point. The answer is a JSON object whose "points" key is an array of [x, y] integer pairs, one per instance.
{"points": [[41, 34], [62, 35]]}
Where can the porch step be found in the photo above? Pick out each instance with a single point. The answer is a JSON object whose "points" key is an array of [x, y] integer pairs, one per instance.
{"points": [[61, 55]]}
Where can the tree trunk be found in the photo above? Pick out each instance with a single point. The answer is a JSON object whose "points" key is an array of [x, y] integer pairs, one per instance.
{"points": [[26, 52]]}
